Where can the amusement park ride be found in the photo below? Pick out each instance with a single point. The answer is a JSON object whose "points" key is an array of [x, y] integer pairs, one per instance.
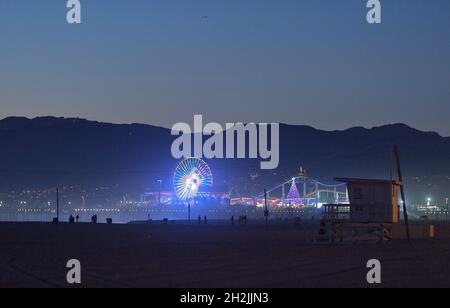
{"points": [[193, 184], [313, 193]]}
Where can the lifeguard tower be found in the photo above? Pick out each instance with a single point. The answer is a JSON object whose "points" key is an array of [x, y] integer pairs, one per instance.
{"points": [[373, 209]]}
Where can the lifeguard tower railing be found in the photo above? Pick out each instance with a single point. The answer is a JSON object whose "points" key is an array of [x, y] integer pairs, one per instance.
{"points": [[336, 213]]}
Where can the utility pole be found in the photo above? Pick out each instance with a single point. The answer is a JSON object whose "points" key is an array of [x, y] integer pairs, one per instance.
{"points": [[189, 212], [159, 192], [57, 203], [317, 194], [266, 210], [446, 213], [402, 190], [290, 210]]}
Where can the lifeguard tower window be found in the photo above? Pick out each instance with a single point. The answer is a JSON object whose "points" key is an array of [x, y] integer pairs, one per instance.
{"points": [[372, 201], [358, 193]]}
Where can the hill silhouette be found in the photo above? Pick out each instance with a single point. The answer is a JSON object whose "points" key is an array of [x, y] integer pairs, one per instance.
{"points": [[49, 151]]}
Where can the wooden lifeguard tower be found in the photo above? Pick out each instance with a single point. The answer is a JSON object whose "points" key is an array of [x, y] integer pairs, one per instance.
{"points": [[372, 211], [372, 201]]}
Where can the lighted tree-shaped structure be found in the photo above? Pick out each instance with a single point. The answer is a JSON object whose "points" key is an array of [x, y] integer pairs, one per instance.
{"points": [[293, 196]]}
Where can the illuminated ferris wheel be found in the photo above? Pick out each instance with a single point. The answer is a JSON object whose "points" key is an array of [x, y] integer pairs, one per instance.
{"points": [[190, 175]]}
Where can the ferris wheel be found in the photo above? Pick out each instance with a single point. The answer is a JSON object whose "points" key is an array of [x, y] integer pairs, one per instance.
{"points": [[189, 176]]}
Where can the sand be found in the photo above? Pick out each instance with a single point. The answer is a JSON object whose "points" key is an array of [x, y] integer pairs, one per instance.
{"points": [[220, 255]]}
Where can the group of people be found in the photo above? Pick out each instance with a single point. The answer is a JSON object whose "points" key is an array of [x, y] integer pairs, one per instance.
{"points": [[242, 219], [205, 220], [72, 219], [94, 219], [76, 219]]}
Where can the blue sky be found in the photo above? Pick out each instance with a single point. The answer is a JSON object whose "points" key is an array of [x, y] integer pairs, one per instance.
{"points": [[313, 62]]}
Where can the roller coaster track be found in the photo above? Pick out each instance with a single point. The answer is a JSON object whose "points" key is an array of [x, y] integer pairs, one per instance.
{"points": [[339, 191]]}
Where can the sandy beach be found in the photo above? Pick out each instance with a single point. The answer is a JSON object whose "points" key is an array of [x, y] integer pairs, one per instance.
{"points": [[216, 255]]}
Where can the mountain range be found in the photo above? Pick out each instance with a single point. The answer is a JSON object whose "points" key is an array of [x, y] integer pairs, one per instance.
{"points": [[49, 152]]}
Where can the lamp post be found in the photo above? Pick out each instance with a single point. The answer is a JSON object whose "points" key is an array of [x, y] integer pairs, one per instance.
{"points": [[159, 192], [189, 212], [266, 209], [290, 210], [57, 204], [446, 213]]}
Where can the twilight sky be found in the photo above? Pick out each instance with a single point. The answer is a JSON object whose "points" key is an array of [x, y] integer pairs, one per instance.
{"points": [[313, 62]]}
